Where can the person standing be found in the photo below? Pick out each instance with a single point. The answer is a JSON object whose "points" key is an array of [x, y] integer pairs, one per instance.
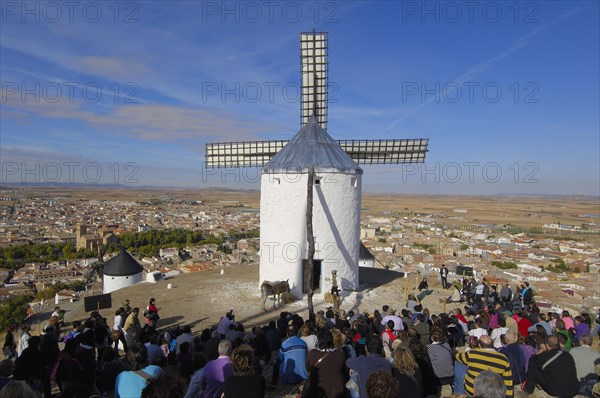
{"points": [[132, 327], [444, 275], [526, 295], [23, 339], [151, 314], [118, 333], [506, 296], [9, 349], [49, 354]]}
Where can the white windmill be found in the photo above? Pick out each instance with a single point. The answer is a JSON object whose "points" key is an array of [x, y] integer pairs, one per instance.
{"points": [[311, 186]]}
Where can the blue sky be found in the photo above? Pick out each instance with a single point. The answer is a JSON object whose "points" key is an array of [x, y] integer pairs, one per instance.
{"points": [[129, 92]]}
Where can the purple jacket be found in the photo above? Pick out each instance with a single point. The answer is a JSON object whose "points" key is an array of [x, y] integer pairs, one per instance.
{"points": [[581, 329], [215, 373]]}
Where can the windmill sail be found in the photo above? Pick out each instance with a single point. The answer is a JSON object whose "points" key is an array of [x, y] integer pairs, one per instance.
{"points": [[314, 77], [258, 153]]}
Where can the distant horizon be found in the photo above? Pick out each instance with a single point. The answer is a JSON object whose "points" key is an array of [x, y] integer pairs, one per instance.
{"points": [[130, 92], [5, 185]]}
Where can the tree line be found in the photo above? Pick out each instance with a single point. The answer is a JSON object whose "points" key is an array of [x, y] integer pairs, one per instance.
{"points": [[146, 244]]}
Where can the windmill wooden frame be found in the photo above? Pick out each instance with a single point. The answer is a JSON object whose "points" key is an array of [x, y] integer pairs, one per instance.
{"points": [[314, 78]]}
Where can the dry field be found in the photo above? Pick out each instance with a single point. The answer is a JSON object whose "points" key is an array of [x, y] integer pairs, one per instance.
{"points": [[522, 211]]}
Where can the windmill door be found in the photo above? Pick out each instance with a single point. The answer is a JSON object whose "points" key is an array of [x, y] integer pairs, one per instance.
{"points": [[316, 275]]}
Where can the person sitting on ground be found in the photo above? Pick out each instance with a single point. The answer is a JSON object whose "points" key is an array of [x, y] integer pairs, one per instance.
{"points": [[561, 330], [523, 322], [566, 318], [109, 368], [154, 349], [489, 384], [406, 371], [381, 384], [261, 345], [441, 357], [326, 367], [165, 386], [585, 357], [552, 370], [424, 290], [17, 388], [456, 296], [479, 330], [29, 366], [341, 321], [423, 328], [484, 357], [195, 387], [224, 322], [542, 321], [216, 371], [498, 332], [308, 337], [529, 347], [273, 336], [185, 337], [365, 365], [430, 381], [412, 302], [391, 316], [131, 383], [211, 348], [387, 338], [184, 358], [515, 356], [290, 363], [581, 327], [245, 382], [7, 366]]}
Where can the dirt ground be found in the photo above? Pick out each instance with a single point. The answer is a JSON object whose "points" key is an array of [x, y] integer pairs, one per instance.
{"points": [[200, 299]]}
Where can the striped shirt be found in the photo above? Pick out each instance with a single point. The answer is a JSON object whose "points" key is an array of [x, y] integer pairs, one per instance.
{"points": [[481, 359]]}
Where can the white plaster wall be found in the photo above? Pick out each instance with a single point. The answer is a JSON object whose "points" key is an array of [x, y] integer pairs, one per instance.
{"points": [[112, 283], [367, 263], [336, 224]]}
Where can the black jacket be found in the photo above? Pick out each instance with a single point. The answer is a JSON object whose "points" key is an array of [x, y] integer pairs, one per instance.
{"points": [[558, 378]]}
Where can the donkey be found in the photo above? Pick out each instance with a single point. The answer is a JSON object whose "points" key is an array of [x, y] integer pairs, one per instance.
{"points": [[273, 289]]}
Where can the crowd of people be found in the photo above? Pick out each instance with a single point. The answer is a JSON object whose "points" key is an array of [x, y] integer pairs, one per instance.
{"points": [[490, 348]]}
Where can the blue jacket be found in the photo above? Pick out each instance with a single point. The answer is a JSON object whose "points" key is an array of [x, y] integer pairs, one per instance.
{"points": [[292, 361], [515, 356]]}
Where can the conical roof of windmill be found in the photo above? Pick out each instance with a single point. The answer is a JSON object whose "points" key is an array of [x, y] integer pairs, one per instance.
{"points": [[312, 147], [122, 265]]}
